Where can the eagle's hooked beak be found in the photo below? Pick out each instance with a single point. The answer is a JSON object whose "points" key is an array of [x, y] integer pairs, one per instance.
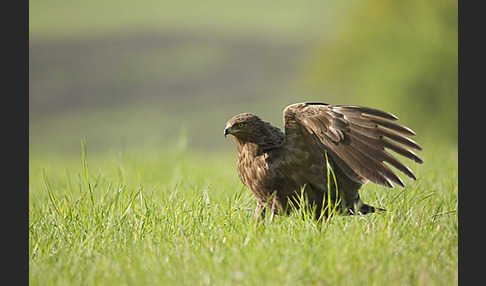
{"points": [[226, 132]]}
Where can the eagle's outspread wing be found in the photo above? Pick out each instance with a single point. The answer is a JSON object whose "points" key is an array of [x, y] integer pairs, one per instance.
{"points": [[355, 137]]}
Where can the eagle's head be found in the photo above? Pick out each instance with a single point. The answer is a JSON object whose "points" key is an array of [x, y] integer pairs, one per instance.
{"points": [[243, 125], [248, 128]]}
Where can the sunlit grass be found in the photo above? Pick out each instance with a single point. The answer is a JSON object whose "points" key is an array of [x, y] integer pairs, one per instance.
{"points": [[183, 218]]}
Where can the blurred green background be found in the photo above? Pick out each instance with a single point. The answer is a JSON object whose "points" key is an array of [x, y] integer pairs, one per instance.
{"points": [[145, 75]]}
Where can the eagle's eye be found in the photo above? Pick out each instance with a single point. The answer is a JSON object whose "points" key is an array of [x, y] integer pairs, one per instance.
{"points": [[239, 125]]}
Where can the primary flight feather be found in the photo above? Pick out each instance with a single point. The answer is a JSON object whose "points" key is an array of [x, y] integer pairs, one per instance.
{"points": [[277, 166]]}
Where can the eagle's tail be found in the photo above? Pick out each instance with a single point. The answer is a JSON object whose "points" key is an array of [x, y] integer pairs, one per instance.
{"points": [[363, 208]]}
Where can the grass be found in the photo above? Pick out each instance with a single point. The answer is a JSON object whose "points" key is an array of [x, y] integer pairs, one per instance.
{"points": [[178, 217]]}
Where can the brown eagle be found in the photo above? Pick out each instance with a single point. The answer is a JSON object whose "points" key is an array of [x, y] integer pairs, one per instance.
{"points": [[278, 167]]}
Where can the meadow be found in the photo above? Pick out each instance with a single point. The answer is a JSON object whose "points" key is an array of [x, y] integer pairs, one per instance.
{"points": [[131, 181], [179, 218]]}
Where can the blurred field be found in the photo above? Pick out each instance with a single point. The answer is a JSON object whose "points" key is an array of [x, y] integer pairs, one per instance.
{"points": [[149, 86], [54, 18], [148, 80]]}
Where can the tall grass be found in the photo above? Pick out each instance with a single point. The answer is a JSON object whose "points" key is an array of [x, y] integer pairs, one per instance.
{"points": [[185, 219]]}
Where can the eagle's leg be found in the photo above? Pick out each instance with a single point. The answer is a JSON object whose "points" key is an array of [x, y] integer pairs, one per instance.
{"points": [[274, 207], [259, 212]]}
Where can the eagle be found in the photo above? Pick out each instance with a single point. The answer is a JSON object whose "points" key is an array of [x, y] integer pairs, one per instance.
{"points": [[350, 141]]}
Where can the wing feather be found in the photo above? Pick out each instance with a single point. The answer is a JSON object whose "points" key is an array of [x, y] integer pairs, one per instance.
{"points": [[380, 154], [366, 110], [356, 136], [389, 124], [365, 168]]}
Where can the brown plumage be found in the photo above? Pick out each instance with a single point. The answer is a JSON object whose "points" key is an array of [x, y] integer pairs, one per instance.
{"points": [[277, 166]]}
